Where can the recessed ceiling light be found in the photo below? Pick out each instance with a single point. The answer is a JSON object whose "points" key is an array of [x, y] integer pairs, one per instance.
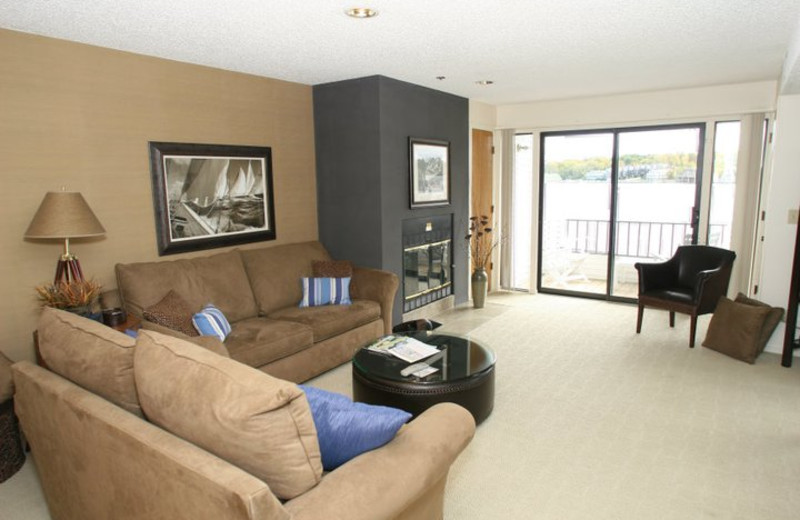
{"points": [[485, 82], [361, 12]]}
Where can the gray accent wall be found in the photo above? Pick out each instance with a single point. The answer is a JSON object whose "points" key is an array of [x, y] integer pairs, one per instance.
{"points": [[362, 127]]}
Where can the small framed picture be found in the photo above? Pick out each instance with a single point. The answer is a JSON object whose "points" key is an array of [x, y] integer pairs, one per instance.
{"points": [[429, 172], [208, 196]]}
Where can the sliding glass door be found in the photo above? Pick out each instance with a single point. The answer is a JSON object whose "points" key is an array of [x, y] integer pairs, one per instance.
{"points": [[576, 211], [658, 199], [611, 198]]}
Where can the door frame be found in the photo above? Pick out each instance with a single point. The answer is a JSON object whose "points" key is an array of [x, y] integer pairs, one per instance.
{"points": [[482, 203]]}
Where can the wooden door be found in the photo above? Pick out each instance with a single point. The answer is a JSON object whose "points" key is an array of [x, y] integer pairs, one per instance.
{"points": [[482, 151]]}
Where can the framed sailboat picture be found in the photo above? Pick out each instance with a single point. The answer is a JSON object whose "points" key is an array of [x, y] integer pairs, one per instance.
{"points": [[208, 195]]}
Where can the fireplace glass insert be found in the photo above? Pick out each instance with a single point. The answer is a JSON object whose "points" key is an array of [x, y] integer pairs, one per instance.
{"points": [[426, 269]]}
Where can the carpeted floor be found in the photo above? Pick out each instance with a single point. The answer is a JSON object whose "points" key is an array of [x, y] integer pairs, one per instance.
{"points": [[593, 421]]}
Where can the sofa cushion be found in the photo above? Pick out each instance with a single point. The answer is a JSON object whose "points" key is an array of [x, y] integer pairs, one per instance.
{"points": [[275, 273], [173, 312], [254, 421], [220, 279], [331, 320], [735, 330], [91, 355], [211, 343], [325, 291], [259, 341]]}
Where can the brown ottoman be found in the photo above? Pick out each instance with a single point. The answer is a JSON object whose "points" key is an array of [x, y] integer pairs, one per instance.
{"points": [[11, 454]]}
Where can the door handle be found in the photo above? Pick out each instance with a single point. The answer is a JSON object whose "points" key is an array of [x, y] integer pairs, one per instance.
{"points": [[695, 219]]}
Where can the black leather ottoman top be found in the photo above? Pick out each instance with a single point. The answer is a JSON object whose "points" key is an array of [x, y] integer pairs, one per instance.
{"points": [[465, 377]]}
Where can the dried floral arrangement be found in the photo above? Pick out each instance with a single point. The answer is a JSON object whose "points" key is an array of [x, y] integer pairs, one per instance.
{"points": [[481, 241], [65, 295]]}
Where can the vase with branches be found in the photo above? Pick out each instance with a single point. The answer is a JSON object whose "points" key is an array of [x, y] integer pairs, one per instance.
{"points": [[481, 241], [481, 245]]}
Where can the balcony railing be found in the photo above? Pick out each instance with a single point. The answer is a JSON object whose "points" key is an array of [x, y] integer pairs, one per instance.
{"points": [[636, 239]]}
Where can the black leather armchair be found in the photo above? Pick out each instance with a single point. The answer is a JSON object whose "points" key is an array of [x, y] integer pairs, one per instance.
{"points": [[691, 282]]}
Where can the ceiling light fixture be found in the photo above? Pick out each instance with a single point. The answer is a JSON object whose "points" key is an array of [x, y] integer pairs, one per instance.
{"points": [[361, 12], [485, 82]]}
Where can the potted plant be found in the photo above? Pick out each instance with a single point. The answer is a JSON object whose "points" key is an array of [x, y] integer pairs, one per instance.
{"points": [[481, 245], [76, 296]]}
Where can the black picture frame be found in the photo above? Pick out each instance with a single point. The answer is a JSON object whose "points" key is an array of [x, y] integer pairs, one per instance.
{"points": [[208, 195], [429, 172]]}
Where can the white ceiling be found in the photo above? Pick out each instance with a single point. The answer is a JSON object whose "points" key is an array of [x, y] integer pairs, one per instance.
{"points": [[531, 49]]}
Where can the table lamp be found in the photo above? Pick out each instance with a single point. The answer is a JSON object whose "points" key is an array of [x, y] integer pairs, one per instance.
{"points": [[65, 215]]}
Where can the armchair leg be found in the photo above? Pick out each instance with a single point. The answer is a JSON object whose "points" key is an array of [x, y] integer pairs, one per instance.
{"points": [[639, 319], [672, 319], [692, 330]]}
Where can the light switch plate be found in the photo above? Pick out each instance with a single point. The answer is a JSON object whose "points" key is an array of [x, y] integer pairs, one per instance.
{"points": [[793, 216]]}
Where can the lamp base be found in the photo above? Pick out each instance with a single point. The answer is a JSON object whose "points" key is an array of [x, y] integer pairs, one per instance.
{"points": [[68, 270]]}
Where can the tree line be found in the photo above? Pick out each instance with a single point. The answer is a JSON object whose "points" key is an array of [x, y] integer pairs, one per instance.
{"points": [[663, 166]]}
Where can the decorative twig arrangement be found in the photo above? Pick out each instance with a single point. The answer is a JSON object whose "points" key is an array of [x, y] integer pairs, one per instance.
{"points": [[65, 295], [481, 241]]}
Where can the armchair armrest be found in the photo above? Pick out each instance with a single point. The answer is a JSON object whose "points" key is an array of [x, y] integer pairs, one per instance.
{"points": [[657, 275], [211, 343], [377, 285], [383, 483], [710, 285]]}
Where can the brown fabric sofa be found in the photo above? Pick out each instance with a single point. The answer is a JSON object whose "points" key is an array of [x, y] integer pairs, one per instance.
{"points": [[258, 290], [98, 461]]}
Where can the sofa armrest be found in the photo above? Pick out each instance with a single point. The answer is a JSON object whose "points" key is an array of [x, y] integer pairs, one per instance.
{"points": [[211, 343], [377, 285], [383, 483]]}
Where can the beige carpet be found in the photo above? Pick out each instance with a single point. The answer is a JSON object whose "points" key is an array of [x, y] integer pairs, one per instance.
{"points": [[593, 421]]}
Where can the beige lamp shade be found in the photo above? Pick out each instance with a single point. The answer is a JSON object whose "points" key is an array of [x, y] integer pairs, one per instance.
{"points": [[64, 214]]}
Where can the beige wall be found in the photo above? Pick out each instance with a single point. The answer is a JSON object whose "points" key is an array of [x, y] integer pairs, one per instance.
{"points": [[782, 197], [82, 116], [676, 105]]}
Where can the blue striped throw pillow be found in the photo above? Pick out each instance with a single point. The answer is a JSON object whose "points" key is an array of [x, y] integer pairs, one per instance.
{"points": [[211, 322], [325, 291]]}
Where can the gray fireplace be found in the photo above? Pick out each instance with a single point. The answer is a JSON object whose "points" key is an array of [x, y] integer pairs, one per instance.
{"points": [[362, 129]]}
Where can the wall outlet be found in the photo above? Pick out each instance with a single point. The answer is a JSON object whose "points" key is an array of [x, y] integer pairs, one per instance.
{"points": [[793, 216]]}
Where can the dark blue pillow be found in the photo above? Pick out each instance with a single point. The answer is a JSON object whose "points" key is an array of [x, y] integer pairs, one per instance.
{"points": [[346, 429]]}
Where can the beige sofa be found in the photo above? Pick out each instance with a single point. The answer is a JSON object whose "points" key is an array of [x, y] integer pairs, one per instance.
{"points": [[99, 458], [258, 290]]}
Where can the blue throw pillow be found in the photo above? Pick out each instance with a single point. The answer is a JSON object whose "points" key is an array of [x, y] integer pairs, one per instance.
{"points": [[346, 429], [211, 322], [325, 291]]}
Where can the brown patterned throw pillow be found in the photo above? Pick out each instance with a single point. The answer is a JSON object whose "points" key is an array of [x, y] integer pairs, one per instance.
{"points": [[332, 268], [173, 312]]}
